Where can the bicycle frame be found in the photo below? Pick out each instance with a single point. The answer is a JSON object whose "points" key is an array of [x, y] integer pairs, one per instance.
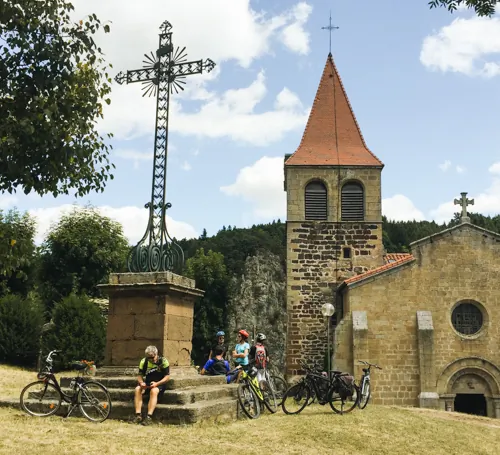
{"points": [[254, 384]]}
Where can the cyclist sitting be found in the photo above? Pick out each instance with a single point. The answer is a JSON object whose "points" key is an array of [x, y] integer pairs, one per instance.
{"points": [[216, 366], [154, 373], [259, 356]]}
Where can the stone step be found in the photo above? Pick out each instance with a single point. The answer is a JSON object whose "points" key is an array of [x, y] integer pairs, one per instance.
{"points": [[115, 371], [182, 396], [125, 382], [217, 410]]}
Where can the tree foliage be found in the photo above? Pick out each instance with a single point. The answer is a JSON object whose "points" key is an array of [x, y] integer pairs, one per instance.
{"points": [[21, 322], [79, 253], [17, 251], [79, 330], [481, 7], [53, 84], [210, 311]]}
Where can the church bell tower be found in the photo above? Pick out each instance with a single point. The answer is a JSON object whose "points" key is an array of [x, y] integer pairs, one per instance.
{"points": [[334, 217]]}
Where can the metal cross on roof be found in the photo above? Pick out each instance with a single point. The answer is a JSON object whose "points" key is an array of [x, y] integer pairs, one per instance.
{"points": [[330, 27], [464, 202], [161, 74]]}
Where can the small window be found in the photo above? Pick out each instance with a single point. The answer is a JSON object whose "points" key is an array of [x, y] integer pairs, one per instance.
{"points": [[353, 202], [316, 201], [346, 253], [467, 319]]}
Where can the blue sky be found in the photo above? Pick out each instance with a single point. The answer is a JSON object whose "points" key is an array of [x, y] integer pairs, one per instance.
{"points": [[423, 85]]}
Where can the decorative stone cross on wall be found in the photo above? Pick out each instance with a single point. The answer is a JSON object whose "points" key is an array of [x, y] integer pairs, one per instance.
{"points": [[464, 202]]}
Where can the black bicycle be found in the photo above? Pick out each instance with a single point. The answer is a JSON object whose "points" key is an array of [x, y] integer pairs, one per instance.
{"points": [[45, 396], [339, 390], [364, 385]]}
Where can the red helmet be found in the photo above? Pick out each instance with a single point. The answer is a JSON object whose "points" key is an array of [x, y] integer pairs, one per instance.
{"points": [[244, 333]]}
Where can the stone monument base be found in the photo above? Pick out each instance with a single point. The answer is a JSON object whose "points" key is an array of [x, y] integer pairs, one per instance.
{"points": [[149, 309]]}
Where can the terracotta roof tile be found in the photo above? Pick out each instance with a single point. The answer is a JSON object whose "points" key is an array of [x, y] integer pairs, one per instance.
{"points": [[323, 142], [383, 268]]}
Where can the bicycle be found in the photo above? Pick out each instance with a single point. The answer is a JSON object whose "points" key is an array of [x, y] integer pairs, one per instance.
{"points": [[364, 386], [325, 389], [251, 393], [278, 384], [44, 397]]}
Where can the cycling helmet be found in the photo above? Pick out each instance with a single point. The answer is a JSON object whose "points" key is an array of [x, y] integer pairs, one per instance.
{"points": [[261, 337], [220, 333], [244, 333]]}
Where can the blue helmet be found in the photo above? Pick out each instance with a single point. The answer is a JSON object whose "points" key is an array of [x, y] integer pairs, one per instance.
{"points": [[220, 333]]}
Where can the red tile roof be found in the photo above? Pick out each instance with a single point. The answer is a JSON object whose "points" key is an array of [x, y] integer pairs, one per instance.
{"points": [[383, 268], [332, 135], [392, 257]]}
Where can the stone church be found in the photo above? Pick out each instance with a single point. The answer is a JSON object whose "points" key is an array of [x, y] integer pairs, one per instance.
{"points": [[430, 318]]}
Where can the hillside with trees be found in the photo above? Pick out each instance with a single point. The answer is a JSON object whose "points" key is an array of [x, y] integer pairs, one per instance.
{"points": [[241, 270]]}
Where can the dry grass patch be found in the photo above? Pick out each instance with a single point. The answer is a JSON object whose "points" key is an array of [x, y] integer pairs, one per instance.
{"points": [[376, 430]]}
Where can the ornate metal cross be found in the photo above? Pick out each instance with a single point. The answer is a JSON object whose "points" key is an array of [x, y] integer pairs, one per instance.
{"points": [[464, 202], [330, 27], [162, 73]]}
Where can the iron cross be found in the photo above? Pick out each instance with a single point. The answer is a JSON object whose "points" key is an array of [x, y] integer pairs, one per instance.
{"points": [[330, 27], [162, 73], [464, 202]]}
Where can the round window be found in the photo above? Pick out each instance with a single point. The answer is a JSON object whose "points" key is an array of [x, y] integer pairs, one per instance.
{"points": [[467, 319]]}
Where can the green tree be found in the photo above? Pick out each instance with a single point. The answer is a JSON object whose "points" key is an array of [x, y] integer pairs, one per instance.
{"points": [[53, 84], [79, 330], [481, 7], [210, 311], [17, 251], [79, 253], [20, 327]]}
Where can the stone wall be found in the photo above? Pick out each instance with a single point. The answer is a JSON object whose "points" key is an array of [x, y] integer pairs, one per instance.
{"points": [[455, 265], [314, 266]]}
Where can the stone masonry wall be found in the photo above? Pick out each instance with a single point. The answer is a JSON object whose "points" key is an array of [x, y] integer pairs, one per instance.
{"points": [[461, 264], [314, 266]]}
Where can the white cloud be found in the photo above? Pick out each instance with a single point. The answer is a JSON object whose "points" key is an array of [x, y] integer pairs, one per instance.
{"points": [[495, 169], [133, 219], [401, 208], [261, 184], [233, 114], [445, 166], [486, 203], [185, 166], [460, 169], [468, 46], [223, 30], [294, 36]]}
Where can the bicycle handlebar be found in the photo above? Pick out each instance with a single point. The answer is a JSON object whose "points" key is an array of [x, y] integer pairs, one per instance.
{"points": [[48, 359], [370, 364]]}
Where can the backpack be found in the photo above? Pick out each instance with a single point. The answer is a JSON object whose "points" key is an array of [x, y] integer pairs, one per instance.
{"points": [[218, 368], [260, 356]]}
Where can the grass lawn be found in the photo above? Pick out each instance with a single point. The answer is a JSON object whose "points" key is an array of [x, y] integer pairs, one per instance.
{"points": [[376, 430]]}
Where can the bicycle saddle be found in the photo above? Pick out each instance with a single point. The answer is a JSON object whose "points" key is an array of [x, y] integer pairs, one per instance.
{"points": [[336, 372], [78, 366]]}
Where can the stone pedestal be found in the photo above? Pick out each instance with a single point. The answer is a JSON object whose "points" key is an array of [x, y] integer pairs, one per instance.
{"points": [[149, 309]]}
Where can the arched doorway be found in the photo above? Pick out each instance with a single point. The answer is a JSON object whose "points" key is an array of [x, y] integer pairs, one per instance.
{"points": [[470, 385]]}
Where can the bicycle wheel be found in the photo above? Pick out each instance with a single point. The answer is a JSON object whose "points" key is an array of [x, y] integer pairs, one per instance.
{"points": [[249, 402], [269, 397], [343, 403], [364, 396], [297, 395], [94, 401], [40, 399], [279, 386]]}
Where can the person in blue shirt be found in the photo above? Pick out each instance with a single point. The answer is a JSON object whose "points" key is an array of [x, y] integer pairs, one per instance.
{"points": [[241, 350], [216, 366]]}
